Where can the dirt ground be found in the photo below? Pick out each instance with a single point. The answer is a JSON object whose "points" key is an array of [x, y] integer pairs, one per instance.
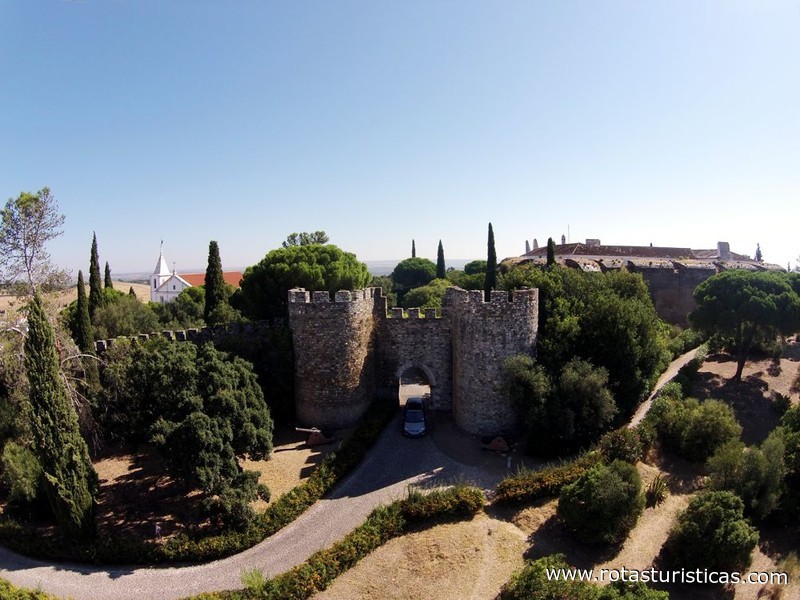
{"points": [[62, 299], [135, 493]]}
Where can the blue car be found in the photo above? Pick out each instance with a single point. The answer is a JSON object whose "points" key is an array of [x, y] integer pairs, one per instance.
{"points": [[415, 420]]}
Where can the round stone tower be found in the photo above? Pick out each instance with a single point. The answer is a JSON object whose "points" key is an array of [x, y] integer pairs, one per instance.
{"points": [[333, 343], [484, 335]]}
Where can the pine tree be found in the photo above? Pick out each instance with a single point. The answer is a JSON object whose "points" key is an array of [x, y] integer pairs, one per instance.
{"points": [[107, 283], [216, 294], [551, 252], [440, 267], [490, 282], [95, 289], [413, 249], [759, 257], [69, 479], [83, 325]]}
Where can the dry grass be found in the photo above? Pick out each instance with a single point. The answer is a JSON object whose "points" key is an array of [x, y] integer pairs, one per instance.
{"points": [[471, 559], [62, 299]]}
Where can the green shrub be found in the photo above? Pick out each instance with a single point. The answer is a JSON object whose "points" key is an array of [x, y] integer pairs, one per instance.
{"points": [[603, 505], [546, 482], [621, 444], [712, 533], [755, 474], [533, 583], [454, 503], [11, 592], [21, 473], [656, 492]]}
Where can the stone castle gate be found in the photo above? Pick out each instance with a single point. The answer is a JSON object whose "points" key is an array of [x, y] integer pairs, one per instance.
{"points": [[350, 350]]}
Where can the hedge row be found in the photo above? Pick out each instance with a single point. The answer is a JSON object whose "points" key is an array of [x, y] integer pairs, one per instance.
{"points": [[11, 592], [183, 548], [383, 524], [546, 482]]}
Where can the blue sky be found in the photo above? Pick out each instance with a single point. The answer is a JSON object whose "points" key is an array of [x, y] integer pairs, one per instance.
{"points": [[671, 122]]}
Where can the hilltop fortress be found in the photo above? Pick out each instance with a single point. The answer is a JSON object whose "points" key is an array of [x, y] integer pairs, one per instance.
{"points": [[351, 350], [671, 273]]}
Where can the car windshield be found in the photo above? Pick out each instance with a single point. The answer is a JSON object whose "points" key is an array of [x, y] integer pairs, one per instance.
{"points": [[415, 416]]}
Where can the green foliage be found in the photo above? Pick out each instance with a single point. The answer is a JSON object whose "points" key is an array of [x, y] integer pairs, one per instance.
{"points": [[621, 444], [27, 223], [754, 474], [108, 283], [607, 319], [712, 533], [96, 299], [564, 414], [525, 487], [694, 430], [265, 286], [412, 273], [305, 239], [603, 505], [427, 296], [441, 269], [201, 407], [450, 504], [387, 286], [124, 316], [83, 333], [69, 478], [465, 280], [11, 592], [681, 341], [746, 308], [413, 249], [551, 252], [538, 581], [186, 311], [490, 282], [656, 492], [476, 267], [215, 293], [22, 473], [790, 433]]}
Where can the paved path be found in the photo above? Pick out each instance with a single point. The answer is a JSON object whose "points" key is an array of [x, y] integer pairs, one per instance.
{"points": [[384, 476], [390, 467]]}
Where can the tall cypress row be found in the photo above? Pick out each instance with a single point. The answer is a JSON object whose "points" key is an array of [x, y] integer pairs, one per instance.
{"points": [[95, 289], [440, 267], [107, 283], [83, 324], [215, 283], [490, 282], [70, 481], [413, 249]]}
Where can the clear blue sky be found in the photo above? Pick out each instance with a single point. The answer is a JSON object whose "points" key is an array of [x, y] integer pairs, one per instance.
{"points": [[671, 122]]}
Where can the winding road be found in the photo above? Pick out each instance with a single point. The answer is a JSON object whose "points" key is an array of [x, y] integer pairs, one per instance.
{"points": [[390, 467]]}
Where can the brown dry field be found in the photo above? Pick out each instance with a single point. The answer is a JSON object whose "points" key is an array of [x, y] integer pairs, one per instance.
{"points": [[62, 299]]}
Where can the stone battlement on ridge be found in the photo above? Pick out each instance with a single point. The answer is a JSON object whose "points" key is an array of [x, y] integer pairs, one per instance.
{"points": [[302, 296]]}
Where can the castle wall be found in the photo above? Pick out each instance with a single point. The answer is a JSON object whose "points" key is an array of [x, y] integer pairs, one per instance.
{"points": [[672, 289], [334, 358], [484, 335], [414, 341]]}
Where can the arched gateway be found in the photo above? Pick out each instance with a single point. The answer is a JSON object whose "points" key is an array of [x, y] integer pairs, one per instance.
{"points": [[351, 350]]}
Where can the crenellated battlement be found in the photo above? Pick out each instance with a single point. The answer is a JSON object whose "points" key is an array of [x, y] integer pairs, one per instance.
{"points": [[302, 296]]}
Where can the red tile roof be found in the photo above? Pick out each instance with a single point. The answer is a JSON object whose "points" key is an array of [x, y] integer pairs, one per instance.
{"points": [[231, 278]]}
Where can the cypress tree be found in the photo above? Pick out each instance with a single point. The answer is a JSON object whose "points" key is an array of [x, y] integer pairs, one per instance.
{"points": [[131, 293], [83, 325], [215, 283], [551, 252], [95, 289], [107, 283], [440, 267], [70, 481], [490, 282], [413, 249], [759, 256]]}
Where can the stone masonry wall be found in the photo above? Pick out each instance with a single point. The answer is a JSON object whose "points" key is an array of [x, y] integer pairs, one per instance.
{"points": [[421, 340], [334, 354], [484, 335]]}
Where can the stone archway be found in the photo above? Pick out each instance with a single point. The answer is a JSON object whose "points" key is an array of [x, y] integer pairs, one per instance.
{"points": [[414, 379]]}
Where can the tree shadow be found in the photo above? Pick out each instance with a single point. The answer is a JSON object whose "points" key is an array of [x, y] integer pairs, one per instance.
{"points": [[664, 564], [552, 537], [748, 398]]}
